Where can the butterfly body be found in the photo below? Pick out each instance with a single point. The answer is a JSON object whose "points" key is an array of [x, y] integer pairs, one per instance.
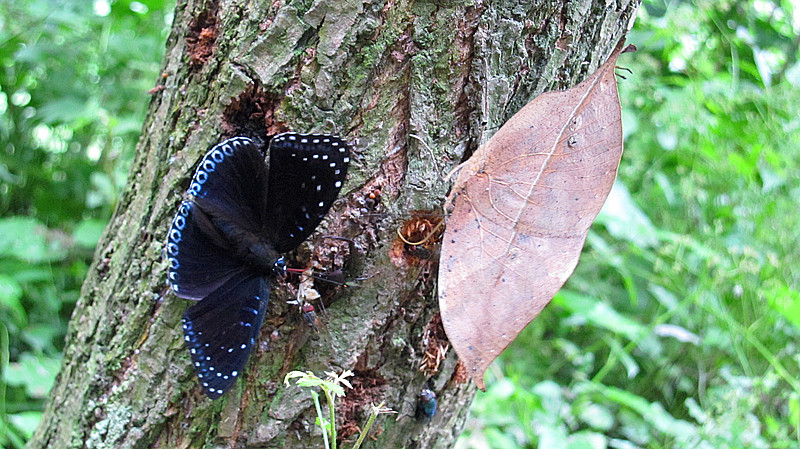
{"points": [[259, 255], [225, 242]]}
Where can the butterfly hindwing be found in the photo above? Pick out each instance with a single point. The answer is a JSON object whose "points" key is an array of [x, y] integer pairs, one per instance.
{"points": [[199, 260], [221, 330], [306, 173]]}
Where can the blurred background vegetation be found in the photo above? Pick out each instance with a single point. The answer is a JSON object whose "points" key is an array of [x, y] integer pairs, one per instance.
{"points": [[74, 77], [679, 327]]}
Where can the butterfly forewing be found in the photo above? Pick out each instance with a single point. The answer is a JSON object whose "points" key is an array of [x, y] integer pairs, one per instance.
{"points": [[199, 261], [231, 183], [306, 173], [220, 330]]}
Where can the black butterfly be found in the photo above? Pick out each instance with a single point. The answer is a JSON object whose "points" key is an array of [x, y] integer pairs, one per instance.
{"points": [[225, 242]]}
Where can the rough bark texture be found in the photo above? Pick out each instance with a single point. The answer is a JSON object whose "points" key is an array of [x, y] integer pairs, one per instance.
{"points": [[415, 87]]}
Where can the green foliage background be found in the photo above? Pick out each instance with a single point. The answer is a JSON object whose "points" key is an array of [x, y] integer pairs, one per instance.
{"points": [[679, 327], [74, 77]]}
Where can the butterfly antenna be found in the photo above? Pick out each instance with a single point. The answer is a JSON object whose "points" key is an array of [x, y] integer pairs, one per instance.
{"points": [[335, 277]]}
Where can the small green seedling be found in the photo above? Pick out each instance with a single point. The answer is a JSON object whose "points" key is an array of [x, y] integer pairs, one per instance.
{"points": [[332, 386]]}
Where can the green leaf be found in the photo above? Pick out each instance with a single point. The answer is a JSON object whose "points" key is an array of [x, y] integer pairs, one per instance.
{"points": [[26, 239], [66, 110], [103, 190], [40, 337], [784, 300], [501, 389], [496, 439], [587, 440], [652, 413], [625, 220], [596, 416], [598, 313], [26, 422], [36, 373], [10, 294], [88, 232], [9, 436], [22, 237], [550, 395], [631, 367]]}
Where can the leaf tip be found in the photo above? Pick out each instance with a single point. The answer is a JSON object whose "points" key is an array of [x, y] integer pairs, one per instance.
{"points": [[478, 373]]}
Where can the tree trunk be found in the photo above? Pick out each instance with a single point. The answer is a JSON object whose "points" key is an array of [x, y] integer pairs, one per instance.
{"points": [[415, 87]]}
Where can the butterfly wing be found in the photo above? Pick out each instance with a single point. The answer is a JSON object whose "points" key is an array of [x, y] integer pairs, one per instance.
{"points": [[240, 208], [221, 330], [230, 185], [306, 172], [229, 189], [199, 258]]}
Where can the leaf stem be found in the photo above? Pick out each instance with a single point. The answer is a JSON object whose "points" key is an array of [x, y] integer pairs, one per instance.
{"points": [[332, 416], [321, 419], [372, 416]]}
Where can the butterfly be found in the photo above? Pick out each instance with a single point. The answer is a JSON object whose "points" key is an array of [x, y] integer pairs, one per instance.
{"points": [[226, 240]]}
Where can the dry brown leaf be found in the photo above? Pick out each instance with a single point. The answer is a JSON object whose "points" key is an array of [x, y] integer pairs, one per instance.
{"points": [[521, 208]]}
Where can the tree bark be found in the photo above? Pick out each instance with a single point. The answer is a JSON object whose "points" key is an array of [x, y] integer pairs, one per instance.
{"points": [[415, 87]]}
